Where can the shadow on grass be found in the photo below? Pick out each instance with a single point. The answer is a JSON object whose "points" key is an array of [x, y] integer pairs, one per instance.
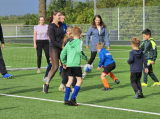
{"points": [[12, 87], [108, 99], [8, 108], [151, 94]]}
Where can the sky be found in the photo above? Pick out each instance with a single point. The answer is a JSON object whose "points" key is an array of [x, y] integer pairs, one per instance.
{"points": [[19, 7]]}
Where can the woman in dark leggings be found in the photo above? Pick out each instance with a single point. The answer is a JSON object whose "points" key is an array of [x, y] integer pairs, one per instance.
{"points": [[55, 31], [98, 32]]}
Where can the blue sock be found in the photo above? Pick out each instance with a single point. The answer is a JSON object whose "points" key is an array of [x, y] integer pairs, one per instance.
{"points": [[60, 68], [67, 93], [48, 69], [75, 92]]}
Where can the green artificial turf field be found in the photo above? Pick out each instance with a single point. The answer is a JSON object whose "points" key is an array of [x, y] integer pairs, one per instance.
{"points": [[21, 97]]}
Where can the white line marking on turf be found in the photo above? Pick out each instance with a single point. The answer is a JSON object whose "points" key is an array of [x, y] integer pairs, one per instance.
{"points": [[123, 109]]}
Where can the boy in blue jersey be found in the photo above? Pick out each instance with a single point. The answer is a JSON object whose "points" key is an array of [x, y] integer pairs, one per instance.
{"points": [[136, 60], [108, 63]]}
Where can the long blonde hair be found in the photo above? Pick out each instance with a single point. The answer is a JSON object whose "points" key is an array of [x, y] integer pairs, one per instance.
{"points": [[67, 35]]}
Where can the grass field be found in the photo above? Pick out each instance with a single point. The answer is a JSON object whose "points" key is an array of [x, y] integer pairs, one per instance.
{"points": [[21, 96]]}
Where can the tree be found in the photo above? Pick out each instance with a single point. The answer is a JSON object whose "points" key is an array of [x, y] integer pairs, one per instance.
{"points": [[42, 8]]}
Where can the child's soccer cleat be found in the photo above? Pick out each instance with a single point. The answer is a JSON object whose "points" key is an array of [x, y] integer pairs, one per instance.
{"points": [[141, 95], [44, 79], [66, 102], [137, 94], [84, 74], [62, 88], [38, 71], [105, 89], [45, 88], [72, 103], [144, 84], [72, 90], [117, 81], [7, 76], [156, 84]]}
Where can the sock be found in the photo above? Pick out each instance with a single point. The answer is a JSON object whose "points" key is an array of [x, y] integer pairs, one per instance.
{"points": [[67, 93], [75, 92], [112, 76], [60, 68], [48, 69], [105, 83]]}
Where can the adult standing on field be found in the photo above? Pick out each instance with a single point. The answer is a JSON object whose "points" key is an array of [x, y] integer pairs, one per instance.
{"points": [[98, 32], [55, 31], [3, 70], [41, 41]]}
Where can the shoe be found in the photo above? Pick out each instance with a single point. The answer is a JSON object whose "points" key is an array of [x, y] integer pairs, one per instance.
{"points": [[84, 74], [66, 102], [141, 95], [72, 103], [45, 88], [72, 90], [7, 76], [156, 84], [62, 88], [117, 81], [38, 71], [105, 89], [144, 84], [137, 94], [44, 79]]}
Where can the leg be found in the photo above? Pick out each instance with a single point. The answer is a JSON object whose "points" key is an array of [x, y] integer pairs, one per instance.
{"points": [[39, 54], [48, 69], [93, 55], [46, 50], [138, 81], [105, 82], [145, 75], [133, 79], [151, 74], [64, 80], [3, 70]]}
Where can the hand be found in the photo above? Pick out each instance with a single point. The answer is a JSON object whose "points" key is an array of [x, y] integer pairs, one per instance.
{"points": [[3, 46], [87, 60], [152, 62], [102, 66], [98, 68], [146, 70], [35, 46], [108, 48], [87, 47], [64, 66]]}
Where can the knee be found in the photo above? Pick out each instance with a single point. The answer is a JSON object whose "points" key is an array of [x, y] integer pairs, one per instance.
{"points": [[102, 77]]}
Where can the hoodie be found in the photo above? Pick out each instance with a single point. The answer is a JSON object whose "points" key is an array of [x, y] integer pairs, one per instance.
{"points": [[73, 50], [136, 61]]}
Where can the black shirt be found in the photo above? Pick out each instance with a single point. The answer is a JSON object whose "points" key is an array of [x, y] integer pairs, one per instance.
{"points": [[56, 35], [1, 35]]}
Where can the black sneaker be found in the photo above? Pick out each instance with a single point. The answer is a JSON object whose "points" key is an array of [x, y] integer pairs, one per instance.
{"points": [[72, 103], [66, 102], [105, 89], [141, 95], [117, 81], [45, 88]]}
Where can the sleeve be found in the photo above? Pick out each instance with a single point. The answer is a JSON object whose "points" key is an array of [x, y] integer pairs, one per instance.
{"points": [[63, 55], [130, 58], [51, 33], [102, 58], [1, 35], [154, 53], [106, 38], [88, 35], [80, 51], [144, 61], [142, 46]]}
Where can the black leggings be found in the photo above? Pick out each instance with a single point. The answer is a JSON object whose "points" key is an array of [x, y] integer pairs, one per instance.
{"points": [[2, 64], [55, 56], [45, 45], [93, 55]]}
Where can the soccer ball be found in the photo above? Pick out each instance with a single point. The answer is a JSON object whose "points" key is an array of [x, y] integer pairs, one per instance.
{"points": [[87, 68]]}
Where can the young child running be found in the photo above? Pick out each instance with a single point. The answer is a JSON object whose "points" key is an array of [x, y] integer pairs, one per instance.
{"points": [[73, 50], [150, 52], [108, 63], [136, 60]]}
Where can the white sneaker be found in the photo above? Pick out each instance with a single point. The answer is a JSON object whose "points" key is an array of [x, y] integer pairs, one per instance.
{"points": [[84, 74], [38, 71], [62, 88], [72, 90]]}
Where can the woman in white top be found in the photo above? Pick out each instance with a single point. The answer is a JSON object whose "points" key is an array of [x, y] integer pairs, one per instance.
{"points": [[41, 41]]}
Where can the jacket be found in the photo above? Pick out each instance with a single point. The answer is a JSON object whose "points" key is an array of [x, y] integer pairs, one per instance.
{"points": [[73, 50], [150, 50], [105, 58], [96, 37], [136, 61]]}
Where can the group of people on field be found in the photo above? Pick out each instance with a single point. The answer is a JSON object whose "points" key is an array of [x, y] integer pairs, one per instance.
{"points": [[63, 48]]}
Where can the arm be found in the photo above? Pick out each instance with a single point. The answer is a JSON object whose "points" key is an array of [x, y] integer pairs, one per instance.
{"points": [[130, 58], [144, 61], [154, 53], [102, 58], [1, 37], [34, 39], [88, 35], [51, 33], [142, 46], [106, 38], [63, 55], [80, 51]]}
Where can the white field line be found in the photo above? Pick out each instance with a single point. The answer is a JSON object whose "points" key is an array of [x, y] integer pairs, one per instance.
{"points": [[91, 105]]}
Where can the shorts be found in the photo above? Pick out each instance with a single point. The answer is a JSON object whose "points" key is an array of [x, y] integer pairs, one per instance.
{"points": [[74, 71], [109, 68]]}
